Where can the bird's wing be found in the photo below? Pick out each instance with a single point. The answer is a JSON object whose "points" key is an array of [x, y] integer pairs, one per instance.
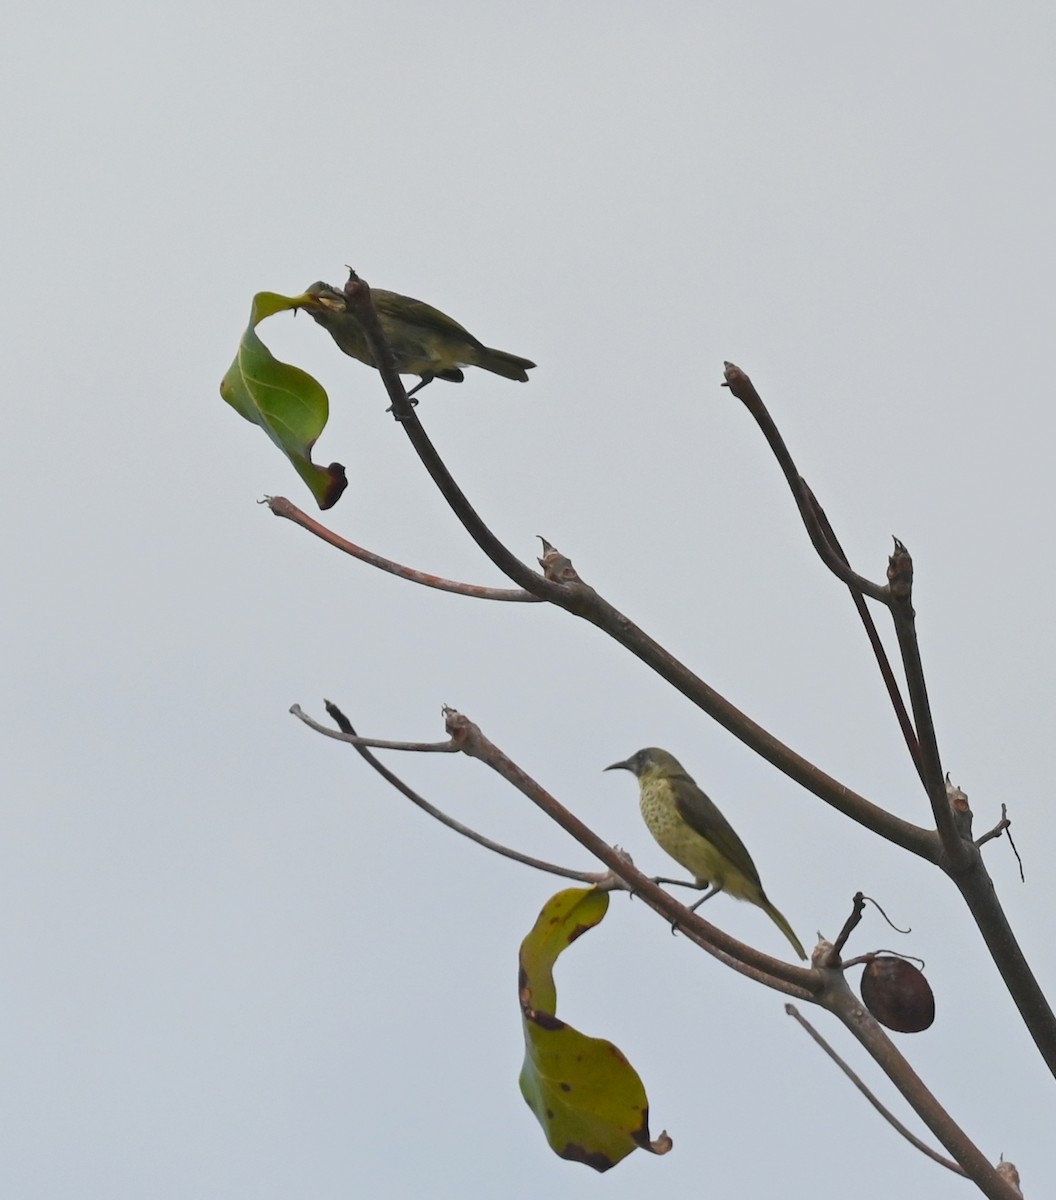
{"points": [[700, 813], [404, 308]]}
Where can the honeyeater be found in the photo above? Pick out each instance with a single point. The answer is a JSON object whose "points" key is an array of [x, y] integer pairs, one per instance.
{"points": [[691, 829], [424, 340]]}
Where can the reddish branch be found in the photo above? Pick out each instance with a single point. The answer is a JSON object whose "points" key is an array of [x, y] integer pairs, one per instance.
{"points": [[282, 507], [345, 733], [946, 846], [823, 984]]}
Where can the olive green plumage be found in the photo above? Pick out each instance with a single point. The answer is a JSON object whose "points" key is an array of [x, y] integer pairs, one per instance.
{"points": [[424, 340], [688, 825]]}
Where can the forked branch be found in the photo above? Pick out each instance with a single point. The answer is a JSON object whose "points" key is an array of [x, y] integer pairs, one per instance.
{"points": [[345, 733], [957, 855], [823, 985], [882, 1109], [282, 507]]}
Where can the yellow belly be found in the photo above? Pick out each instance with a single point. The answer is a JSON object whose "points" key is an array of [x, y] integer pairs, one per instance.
{"points": [[695, 853]]}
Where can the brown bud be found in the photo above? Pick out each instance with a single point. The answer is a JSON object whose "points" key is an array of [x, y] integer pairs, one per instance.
{"points": [[898, 995], [900, 572], [1009, 1174]]}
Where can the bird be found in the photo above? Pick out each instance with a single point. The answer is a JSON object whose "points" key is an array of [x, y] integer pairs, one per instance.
{"points": [[424, 340], [688, 825]]}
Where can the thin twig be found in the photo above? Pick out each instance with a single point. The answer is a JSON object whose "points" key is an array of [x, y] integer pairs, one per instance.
{"points": [[880, 909], [282, 507], [581, 600], [857, 908], [859, 1083], [1004, 826], [1022, 876], [894, 692], [825, 542], [845, 1004], [348, 734], [447, 747], [773, 972], [900, 585], [743, 388], [997, 830], [359, 301]]}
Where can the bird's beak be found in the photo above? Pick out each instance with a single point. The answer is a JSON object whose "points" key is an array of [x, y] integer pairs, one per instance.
{"points": [[621, 766], [321, 295]]}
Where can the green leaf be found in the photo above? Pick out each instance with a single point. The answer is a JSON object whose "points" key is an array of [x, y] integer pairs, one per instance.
{"points": [[286, 402], [588, 1098]]}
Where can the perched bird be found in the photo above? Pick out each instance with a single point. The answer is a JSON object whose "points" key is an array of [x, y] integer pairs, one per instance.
{"points": [[424, 340], [691, 829]]}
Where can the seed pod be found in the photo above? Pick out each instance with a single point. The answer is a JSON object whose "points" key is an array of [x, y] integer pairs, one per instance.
{"points": [[898, 995]]}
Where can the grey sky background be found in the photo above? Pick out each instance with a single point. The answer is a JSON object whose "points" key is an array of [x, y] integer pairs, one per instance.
{"points": [[235, 964]]}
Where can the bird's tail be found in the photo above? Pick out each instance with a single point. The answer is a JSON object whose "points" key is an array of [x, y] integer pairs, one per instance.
{"points": [[779, 920], [509, 366]]}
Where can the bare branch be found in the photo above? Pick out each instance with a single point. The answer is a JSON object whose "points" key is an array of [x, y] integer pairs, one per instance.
{"points": [[582, 600], [743, 388], [827, 545], [282, 507], [896, 928], [958, 857], [773, 972], [825, 986], [900, 586], [961, 859], [894, 693], [605, 880], [358, 299], [819, 985], [858, 907], [997, 831], [1003, 826], [362, 743], [840, 1000], [977, 888], [859, 1083]]}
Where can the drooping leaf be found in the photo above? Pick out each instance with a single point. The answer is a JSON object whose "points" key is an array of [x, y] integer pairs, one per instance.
{"points": [[287, 403], [588, 1098]]}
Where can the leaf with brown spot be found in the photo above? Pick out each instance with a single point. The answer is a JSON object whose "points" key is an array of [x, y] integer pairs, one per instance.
{"points": [[287, 403], [588, 1098]]}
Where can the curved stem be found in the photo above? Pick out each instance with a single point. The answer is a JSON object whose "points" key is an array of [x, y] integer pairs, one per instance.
{"points": [[955, 848], [282, 507], [362, 743], [586, 603], [743, 388], [838, 998], [882, 1109], [894, 694], [347, 733], [782, 976], [358, 298], [977, 888], [581, 600]]}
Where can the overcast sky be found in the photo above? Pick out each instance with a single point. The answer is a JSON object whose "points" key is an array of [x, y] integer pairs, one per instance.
{"points": [[235, 963]]}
